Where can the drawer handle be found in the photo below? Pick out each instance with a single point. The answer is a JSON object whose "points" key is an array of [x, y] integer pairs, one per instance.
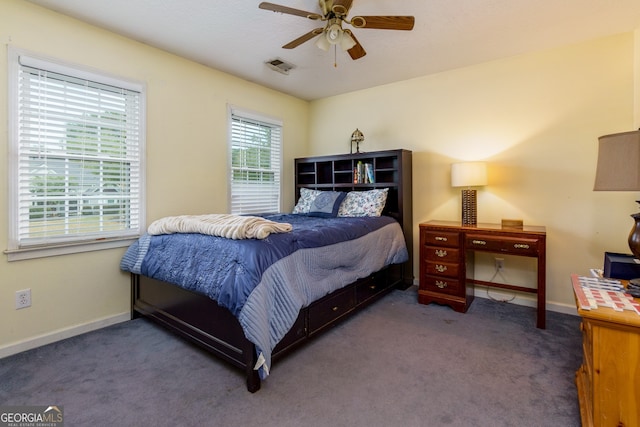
{"points": [[441, 268], [372, 287], [334, 308], [521, 246], [478, 242], [441, 284], [441, 239], [441, 253]]}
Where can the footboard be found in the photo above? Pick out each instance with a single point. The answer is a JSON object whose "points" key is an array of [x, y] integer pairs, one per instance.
{"points": [[202, 321], [197, 318]]}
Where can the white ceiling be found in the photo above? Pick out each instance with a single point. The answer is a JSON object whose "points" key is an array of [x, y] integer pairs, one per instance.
{"points": [[237, 37]]}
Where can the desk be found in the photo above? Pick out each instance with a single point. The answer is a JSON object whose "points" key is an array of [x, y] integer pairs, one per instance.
{"points": [[608, 379], [447, 251]]}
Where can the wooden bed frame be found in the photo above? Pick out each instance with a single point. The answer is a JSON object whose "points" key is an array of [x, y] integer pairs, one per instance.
{"points": [[202, 321]]}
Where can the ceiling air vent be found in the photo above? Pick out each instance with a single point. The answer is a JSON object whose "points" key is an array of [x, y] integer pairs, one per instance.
{"points": [[280, 66]]}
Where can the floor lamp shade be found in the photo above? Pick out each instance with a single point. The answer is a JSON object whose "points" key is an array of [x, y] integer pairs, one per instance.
{"points": [[619, 170], [469, 174]]}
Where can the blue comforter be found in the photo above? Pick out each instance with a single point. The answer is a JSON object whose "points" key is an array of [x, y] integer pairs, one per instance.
{"points": [[264, 283]]}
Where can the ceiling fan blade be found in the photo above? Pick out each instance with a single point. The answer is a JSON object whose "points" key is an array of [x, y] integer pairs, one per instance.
{"points": [[357, 51], [306, 37], [288, 10], [341, 7], [384, 22]]}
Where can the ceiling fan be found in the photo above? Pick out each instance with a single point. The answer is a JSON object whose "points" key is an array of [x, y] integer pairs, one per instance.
{"points": [[334, 13]]}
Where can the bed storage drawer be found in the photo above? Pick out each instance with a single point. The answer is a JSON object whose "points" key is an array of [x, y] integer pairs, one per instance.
{"points": [[325, 311], [371, 287], [296, 334]]}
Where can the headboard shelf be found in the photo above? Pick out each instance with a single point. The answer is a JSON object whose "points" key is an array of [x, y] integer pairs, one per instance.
{"points": [[390, 169]]}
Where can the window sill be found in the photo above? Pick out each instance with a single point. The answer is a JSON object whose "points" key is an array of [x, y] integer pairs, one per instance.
{"points": [[72, 248]]}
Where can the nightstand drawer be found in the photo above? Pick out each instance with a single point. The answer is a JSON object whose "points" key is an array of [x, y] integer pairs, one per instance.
{"points": [[511, 245], [440, 284], [441, 238], [432, 253], [443, 269]]}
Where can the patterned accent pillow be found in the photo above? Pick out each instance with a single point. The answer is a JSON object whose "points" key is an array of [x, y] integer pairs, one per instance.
{"points": [[307, 197], [326, 204], [364, 203]]}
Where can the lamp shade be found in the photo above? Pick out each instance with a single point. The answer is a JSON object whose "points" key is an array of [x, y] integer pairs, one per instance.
{"points": [[619, 170], [468, 174], [347, 41], [618, 162], [323, 43]]}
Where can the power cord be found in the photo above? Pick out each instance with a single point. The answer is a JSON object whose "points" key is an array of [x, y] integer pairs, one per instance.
{"points": [[498, 272]]}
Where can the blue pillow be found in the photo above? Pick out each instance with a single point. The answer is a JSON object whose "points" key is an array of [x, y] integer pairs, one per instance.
{"points": [[327, 204]]}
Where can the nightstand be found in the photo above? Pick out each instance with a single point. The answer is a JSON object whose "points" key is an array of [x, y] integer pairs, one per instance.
{"points": [[609, 379]]}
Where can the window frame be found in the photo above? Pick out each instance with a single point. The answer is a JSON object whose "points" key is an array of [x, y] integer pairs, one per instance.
{"points": [[66, 245], [262, 119]]}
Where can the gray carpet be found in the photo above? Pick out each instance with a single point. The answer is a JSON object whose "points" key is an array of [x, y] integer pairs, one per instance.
{"points": [[397, 363]]}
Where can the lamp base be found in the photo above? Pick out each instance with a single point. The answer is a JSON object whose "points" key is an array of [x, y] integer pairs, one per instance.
{"points": [[470, 209]]}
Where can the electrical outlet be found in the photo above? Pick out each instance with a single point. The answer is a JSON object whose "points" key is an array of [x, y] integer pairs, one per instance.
{"points": [[499, 264], [23, 299]]}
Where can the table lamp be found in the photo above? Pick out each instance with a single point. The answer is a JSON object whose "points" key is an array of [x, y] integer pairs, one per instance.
{"points": [[356, 137], [469, 174], [619, 170]]}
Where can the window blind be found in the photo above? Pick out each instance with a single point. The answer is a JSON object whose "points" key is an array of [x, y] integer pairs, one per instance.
{"points": [[79, 148], [255, 164]]}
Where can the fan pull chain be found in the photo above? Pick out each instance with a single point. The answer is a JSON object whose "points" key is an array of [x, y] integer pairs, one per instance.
{"points": [[335, 56]]}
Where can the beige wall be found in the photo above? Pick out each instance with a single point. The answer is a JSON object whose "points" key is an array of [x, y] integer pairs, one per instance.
{"points": [[535, 118], [186, 164], [636, 79]]}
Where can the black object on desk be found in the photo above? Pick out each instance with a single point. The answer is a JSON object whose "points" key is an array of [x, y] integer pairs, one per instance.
{"points": [[621, 266]]}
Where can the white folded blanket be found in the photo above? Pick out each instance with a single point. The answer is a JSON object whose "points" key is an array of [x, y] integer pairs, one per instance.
{"points": [[223, 225]]}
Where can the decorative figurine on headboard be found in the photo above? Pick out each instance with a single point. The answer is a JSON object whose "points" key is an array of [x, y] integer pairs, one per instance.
{"points": [[356, 137]]}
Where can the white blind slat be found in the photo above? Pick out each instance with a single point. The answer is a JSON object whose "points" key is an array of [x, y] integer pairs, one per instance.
{"points": [[79, 155], [255, 163]]}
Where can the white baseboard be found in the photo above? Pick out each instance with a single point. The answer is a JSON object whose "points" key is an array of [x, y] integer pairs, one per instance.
{"points": [[527, 300], [61, 334], [522, 299]]}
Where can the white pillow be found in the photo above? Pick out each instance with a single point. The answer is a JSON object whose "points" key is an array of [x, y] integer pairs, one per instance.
{"points": [[364, 203], [307, 196]]}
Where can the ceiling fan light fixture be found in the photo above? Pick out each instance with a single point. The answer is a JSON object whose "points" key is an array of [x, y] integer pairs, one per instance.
{"points": [[334, 33], [334, 13], [347, 41], [323, 43]]}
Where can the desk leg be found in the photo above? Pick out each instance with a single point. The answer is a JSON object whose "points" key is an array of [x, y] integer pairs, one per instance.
{"points": [[542, 294]]}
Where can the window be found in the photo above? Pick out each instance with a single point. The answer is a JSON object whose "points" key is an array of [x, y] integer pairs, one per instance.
{"points": [[75, 164], [255, 163]]}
